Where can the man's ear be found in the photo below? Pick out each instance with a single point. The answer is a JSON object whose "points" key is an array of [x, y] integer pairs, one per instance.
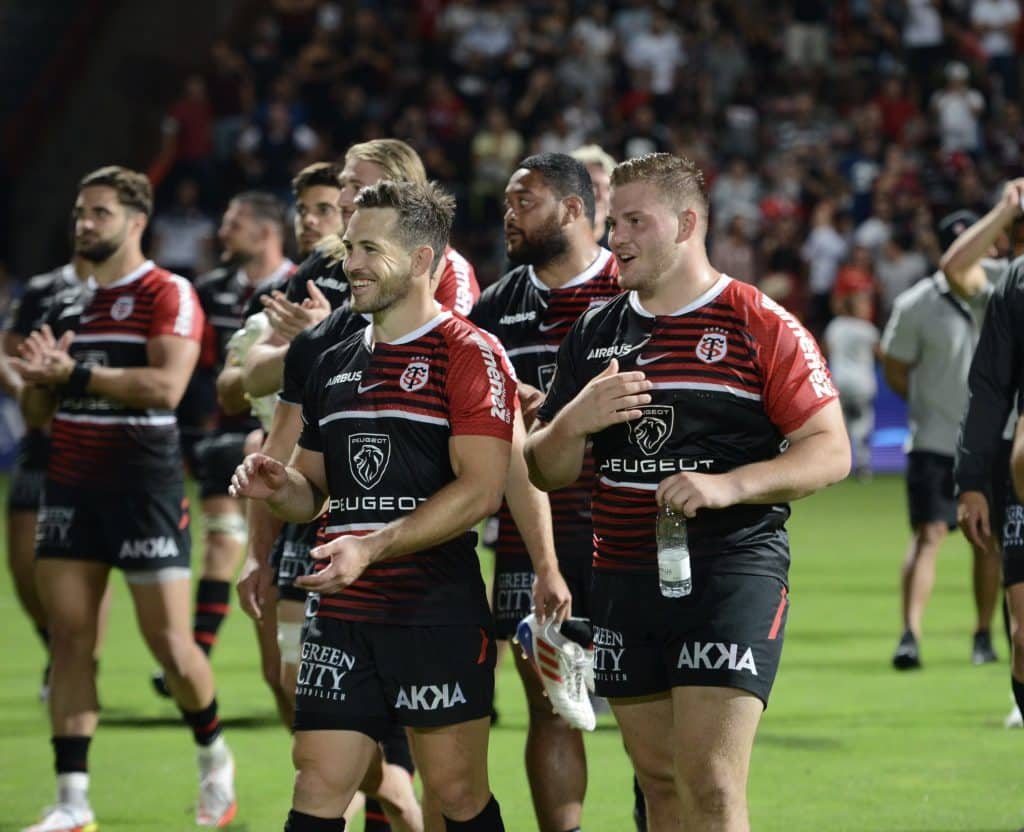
{"points": [[688, 223], [573, 208], [422, 260]]}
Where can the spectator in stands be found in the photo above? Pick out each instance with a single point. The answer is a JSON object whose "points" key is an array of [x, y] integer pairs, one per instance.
{"points": [[183, 235], [958, 107]]}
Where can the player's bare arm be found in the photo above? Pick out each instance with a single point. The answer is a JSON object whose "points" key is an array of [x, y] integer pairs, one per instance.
{"points": [[554, 452], [960, 261], [897, 375], [480, 465], [818, 456], [296, 492], [159, 385], [531, 511]]}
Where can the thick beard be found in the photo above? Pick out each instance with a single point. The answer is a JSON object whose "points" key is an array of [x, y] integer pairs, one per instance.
{"points": [[98, 252], [538, 251]]}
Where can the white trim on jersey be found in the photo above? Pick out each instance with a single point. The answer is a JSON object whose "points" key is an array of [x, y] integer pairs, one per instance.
{"points": [[639, 486], [131, 277], [119, 339], [353, 527], [186, 307], [222, 320], [463, 288], [532, 348], [703, 300], [89, 419], [590, 272], [384, 414], [703, 385]]}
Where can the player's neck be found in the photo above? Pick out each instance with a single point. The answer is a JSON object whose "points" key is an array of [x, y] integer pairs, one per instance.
{"points": [[118, 265], [263, 266], [679, 287], [577, 259], [408, 315]]}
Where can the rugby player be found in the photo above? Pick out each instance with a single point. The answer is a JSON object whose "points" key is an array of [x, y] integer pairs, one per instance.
{"points": [[408, 427], [109, 369], [701, 394], [560, 273]]}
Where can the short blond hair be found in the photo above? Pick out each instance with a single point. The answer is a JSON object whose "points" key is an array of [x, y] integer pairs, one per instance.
{"points": [[679, 182], [398, 160], [594, 154]]}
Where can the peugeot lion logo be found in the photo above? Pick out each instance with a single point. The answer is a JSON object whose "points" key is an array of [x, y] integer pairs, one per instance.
{"points": [[650, 431], [368, 455]]}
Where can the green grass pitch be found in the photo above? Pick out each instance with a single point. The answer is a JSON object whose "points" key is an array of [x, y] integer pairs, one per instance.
{"points": [[847, 744]]}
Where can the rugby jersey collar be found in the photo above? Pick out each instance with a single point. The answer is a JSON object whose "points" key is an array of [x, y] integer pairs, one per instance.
{"points": [[712, 293], [419, 332], [593, 270], [131, 277]]}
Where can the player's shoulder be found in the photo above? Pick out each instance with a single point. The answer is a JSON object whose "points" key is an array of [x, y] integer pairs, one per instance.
{"points": [[504, 287], [46, 282], [922, 292], [607, 313], [457, 262], [216, 279]]}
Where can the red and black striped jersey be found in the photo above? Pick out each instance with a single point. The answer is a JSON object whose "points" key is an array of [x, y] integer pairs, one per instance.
{"points": [[531, 320], [382, 415], [100, 442], [733, 374]]}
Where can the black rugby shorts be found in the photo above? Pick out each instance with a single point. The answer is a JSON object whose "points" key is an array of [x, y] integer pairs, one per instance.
{"points": [[727, 633]]}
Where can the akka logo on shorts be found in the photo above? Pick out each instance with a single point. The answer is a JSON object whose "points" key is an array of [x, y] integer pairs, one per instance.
{"points": [[713, 346], [122, 308], [650, 431], [546, 374], [415, 375], [149, 548], [714, 655], [430, 697], [368, 456]]}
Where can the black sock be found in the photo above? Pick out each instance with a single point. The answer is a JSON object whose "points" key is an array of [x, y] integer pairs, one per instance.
{"points": [[376, 820], [71, 754], [212, 598], [1018, 693], [205, 724], [44, 635], [301, 822], [489, 820]]}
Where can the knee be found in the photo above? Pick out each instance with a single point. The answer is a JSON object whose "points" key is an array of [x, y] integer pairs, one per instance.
{"points": [[313, 780], [657, 781], [1018, 646], [928, 536], [456, 797], [71, 633], [175, 653], [708, 791]]}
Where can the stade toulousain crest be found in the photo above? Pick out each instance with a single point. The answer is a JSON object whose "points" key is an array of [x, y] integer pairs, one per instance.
{"points": [[414, 376], [650, 431], [122, 308], [712, 347], [368, 457]]}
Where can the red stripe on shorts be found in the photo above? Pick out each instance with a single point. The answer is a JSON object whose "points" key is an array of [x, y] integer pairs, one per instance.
{"points": [[777, 622]]}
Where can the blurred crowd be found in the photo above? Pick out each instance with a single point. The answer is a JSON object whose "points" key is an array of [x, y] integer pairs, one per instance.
{"points": [[833, 135]]}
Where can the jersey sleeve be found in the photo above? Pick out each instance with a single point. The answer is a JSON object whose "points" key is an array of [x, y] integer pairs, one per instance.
{"points": [[796, 383], [480, 387], [297, 361], [484, 314], [310, 438], [176, 311], [457, 289], [26, 312], [901, 339]]}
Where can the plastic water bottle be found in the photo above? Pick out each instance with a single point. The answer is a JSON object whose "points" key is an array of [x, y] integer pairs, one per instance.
{"points": [[673, 554]]}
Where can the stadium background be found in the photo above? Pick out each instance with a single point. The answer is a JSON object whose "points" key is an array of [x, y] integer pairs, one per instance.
{"points": [[838, 129]]}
